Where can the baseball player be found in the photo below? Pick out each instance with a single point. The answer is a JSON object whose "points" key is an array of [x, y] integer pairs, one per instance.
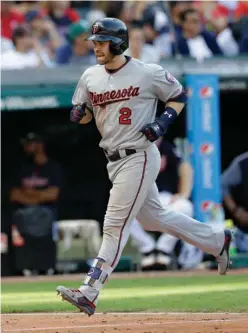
{"points": [[122, 94]]}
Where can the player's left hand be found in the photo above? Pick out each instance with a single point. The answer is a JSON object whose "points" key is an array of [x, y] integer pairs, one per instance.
{"points": [[153, 131]]}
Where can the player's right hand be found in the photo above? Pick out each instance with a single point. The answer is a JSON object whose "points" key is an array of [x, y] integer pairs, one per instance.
{"points": [[77, 113], [153, 131]]}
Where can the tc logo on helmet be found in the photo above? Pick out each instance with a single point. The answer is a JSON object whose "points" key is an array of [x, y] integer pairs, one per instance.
{"points": [[206, 148], [206, 92], [95, 28]]}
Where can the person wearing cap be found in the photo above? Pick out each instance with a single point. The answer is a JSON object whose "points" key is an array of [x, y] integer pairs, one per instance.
{"points": [[77, 50], [26, 53], [34, 196]]}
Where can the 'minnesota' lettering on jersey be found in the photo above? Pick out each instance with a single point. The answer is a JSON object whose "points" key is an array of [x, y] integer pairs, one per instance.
{"points": [[113, 96]]}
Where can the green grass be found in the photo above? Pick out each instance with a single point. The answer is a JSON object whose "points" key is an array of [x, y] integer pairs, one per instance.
{"points": [[189, 293]]}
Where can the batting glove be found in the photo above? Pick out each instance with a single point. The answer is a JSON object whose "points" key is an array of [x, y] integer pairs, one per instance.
{"points": [[153, 131], [77, 113]]}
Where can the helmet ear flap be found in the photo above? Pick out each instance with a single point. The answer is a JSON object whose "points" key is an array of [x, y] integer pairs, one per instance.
{"points": [[115, 48]]}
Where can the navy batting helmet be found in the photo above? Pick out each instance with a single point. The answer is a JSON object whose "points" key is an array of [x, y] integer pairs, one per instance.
{"points": [[113, 30]]}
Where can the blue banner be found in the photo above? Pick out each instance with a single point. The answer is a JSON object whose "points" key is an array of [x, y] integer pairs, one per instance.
{"points": [[203, 126]]}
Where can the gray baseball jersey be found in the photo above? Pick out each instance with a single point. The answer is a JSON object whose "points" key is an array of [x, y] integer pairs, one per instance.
{"points": [[125, 100]]}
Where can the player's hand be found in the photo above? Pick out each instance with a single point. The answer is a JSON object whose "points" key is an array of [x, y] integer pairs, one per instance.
{"points": [[77, 113], [153, 131]]}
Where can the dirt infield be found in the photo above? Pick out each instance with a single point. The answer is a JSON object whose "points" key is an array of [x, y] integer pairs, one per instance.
{"points": [[126, 323]]}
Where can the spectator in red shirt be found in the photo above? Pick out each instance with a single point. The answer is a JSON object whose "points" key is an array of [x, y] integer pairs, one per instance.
{"points": [[10, 19], [241, 10]]}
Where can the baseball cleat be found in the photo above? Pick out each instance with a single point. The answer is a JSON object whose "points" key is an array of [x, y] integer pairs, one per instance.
{"points": [[76, 298], [223, 258]]}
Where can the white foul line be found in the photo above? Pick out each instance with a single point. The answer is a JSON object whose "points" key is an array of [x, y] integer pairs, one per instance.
{"points": [[122, 325]]}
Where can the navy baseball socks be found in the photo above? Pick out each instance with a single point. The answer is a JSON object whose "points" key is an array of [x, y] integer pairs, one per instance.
{"points": [[85, 298]]}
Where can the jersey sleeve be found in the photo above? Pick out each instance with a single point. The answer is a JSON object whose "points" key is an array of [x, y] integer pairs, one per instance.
{"points": [[81, 94], [164, 86]]}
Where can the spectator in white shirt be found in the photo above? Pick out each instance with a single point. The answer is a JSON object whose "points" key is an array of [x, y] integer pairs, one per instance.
{"points": [[139, 49], [196, 42], [225, 38], [6, 44], [26, 52]]}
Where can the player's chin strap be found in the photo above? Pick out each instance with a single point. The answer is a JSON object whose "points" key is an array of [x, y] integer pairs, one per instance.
{"points": [[98, 274]]}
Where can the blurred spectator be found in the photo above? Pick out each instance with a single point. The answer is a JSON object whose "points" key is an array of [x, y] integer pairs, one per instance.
{"points": [[243, 45], [225, 38], [6, 44], [195, 42], [176, 8], [34, 196], [157, 31], [28, 5], [10, 19], [94, 14], [44, 30], [115, 9], [174, 184], [138, 48], [235, 195], [27, 52], [134, 11], [241, 10], [77, 50], [61, 14]]}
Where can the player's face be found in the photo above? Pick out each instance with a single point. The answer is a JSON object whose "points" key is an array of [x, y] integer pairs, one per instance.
{"points": [[103, 55]]}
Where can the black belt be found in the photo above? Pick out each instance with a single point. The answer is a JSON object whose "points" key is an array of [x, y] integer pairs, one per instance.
{"points": [[116, 156]]}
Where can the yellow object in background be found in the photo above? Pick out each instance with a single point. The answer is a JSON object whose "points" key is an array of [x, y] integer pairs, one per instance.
{"points": [[230, 225]]}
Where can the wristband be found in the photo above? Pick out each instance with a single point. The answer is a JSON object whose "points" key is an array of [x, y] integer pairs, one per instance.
{"points": [[168, 117]]}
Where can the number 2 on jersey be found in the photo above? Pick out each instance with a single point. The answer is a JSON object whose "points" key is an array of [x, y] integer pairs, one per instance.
{"points": [[125, 114]]}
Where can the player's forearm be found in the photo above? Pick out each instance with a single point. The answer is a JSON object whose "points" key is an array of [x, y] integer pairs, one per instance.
{"points": [[172, 110], [230, 203], [156, 129], [185, 180], [176, 106]]}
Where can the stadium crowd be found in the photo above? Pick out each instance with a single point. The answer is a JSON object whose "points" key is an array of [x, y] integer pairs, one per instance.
{"points": [[51, 33]]}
